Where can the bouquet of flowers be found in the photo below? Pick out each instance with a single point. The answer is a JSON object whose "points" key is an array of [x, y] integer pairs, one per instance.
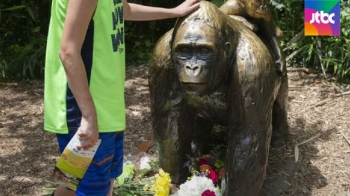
{"points": [[207, 166], [138, 179], [198, 186], [207, 173], [158, 185]]}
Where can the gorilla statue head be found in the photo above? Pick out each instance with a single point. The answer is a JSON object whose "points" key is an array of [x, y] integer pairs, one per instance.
{"points": [[202, 49]]}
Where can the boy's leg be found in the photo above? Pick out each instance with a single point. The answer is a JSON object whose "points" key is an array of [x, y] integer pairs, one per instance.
{"points": [[61, 190], [118, 160], [63, 140], [111, 190]]}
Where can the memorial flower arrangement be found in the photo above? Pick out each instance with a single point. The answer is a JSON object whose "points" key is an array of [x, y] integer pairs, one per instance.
{"points": [[142, 177], [206, 175]]}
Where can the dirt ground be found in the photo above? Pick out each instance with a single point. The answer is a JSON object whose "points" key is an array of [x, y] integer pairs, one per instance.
{"points": [[319, 114]]}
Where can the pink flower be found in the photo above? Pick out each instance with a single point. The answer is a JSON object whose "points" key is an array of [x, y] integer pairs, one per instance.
{"points": [[213, 176], [202, 161], [208, 193]]}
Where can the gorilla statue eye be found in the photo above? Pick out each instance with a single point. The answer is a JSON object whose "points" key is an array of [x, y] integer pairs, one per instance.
{"points": [[205, 50], [183, 50]]}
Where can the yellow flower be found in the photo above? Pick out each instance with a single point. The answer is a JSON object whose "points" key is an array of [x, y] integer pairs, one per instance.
{"points": [[161, 185]]}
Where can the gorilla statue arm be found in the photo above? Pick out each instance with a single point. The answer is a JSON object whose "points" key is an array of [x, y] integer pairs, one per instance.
{"points": [[172, 120]]}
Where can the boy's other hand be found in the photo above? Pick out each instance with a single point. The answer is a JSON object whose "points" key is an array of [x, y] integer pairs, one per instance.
{"points": [[187, 7], [87, 134]]}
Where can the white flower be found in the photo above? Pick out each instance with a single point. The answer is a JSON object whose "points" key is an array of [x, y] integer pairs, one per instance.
{"points": [[144, 163], [196, 186]]}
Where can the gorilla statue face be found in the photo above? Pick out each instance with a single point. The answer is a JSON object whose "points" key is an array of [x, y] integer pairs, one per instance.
{"points": [[199, 55], [256, 8]]}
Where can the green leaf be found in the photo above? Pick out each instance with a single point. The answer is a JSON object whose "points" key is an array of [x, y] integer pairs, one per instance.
{"points": [[310, 52], [30, 12], [36, 29], [148, 43], [219, 164], [128, 172], [16, 7], [48, 191]]}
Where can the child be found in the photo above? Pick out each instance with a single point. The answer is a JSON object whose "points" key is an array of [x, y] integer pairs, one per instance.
{"points": [[84, 80]]}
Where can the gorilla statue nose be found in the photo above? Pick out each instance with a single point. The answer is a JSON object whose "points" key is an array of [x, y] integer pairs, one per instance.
{"points": [[193, 70]]}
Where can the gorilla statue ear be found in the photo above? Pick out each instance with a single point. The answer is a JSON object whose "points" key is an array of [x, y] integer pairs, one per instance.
{"points": [[227, 48]]}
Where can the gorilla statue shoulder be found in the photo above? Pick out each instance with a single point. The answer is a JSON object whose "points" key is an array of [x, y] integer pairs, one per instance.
{"points": [[256, 15], [212, 70]]}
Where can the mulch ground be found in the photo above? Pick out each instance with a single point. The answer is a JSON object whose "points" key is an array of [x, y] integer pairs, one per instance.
{"points": [[319, 121]]}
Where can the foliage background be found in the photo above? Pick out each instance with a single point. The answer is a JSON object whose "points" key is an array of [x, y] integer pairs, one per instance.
{"points": [[330, 54], [24, 24], [23, 30]]}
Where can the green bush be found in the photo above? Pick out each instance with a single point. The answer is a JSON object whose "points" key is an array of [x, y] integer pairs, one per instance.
{"points": [[24, 25], [142, 36], [23, 29], [330, 54]]}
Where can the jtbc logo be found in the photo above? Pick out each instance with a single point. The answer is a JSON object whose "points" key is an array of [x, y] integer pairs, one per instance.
{"points": [[324, 17]]}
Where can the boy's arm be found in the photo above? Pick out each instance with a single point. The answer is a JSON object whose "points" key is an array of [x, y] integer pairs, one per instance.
{"points": [[79, 14], [136, 12]]}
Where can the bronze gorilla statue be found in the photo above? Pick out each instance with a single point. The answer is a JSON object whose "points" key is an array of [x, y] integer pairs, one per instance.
{"points": [[210, 69]]}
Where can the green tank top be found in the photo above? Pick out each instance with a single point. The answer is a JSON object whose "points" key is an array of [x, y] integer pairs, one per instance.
{"points": [[103, 53]]}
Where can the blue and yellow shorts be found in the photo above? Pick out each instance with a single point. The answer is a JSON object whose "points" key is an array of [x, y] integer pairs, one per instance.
{"points": [[107, 164]]}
